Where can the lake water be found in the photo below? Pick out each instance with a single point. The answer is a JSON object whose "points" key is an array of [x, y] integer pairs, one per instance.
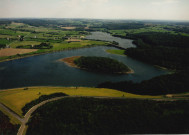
{"points": [[45, 70]]}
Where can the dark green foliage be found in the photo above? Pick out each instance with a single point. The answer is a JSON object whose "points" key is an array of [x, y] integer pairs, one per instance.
{"points": [[6, 128], [4, 41], [120, 25], [178, 29], [169, 57], [40, 46], [171, 54], [101, 64], [21, 38], [115, 43], [43, 46], [25, 46], [2, 46], [45, 40], [163, 39], [39, 100], [110, 116], [167, 84]]}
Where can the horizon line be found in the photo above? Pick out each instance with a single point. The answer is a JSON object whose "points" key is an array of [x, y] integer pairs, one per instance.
{"points": [[173, 20]]}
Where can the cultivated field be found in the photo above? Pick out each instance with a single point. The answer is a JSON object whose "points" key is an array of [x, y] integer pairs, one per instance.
{"points": [[12, 51], [20, 35]]}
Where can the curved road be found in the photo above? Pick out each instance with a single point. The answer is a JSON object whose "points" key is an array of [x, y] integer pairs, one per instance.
{"points": [[25, 119], [28, 114]]}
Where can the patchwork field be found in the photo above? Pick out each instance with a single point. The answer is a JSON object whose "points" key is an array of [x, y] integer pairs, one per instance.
{"points": [[24, 36]]}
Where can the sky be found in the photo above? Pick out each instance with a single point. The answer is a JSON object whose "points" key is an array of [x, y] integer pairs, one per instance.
{"points": [[96, 9]]}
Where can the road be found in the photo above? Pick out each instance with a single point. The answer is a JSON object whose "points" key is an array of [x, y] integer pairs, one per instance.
{"points": [[11, 112], [25, 119]]}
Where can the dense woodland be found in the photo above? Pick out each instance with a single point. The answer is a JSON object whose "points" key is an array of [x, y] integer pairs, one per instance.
{"points": [[40, 46], [162, 85], [163, 49], [39, 100], [169, 57], [162, 39], [110, 116], [6, 128], [120, 26], [101, 64], [183, 29]]}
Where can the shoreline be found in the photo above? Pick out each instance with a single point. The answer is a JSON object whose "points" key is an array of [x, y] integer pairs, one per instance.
{"points": [[70, 62], [31, 55]]}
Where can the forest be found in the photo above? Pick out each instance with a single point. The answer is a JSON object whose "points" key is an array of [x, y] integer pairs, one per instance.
{"points": [[162, 39], [101, 64], [7, 128], [42, 98], [161, 85], [110, 116], [162, 49]]}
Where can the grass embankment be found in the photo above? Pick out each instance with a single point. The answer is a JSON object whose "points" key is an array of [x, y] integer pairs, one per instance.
{"points": [[118, 52], [13, 120], [17, 98]]}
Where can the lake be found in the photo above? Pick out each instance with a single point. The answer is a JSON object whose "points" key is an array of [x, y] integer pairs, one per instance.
{"points": [[45, 70]]}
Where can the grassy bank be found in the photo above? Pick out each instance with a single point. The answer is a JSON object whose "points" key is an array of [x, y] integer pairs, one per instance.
{"points": [[118, 52], [17, 98], [57, 47]]}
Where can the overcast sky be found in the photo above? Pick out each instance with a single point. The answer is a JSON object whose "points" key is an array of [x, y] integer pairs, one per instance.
{"points": [[100, 9]]}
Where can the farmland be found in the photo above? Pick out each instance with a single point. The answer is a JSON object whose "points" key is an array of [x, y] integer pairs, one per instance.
{"points": [[20, 35]]}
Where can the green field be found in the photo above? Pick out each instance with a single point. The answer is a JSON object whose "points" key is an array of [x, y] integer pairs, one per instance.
{"points": [[158, 28], [37, 35], [119, 52], [18, 43], [17, 98]]}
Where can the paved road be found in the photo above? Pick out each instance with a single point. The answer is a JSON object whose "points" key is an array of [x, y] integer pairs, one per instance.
{"points": [[28, 114], [25, 119], [11, 112]]}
